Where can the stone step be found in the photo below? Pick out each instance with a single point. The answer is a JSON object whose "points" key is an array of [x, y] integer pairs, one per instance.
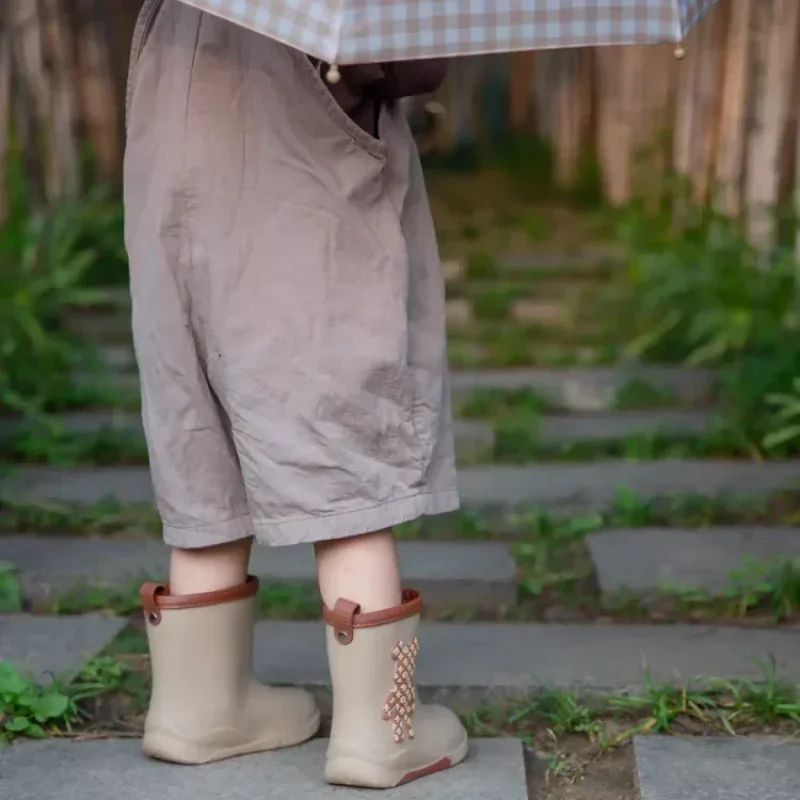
{"points": [[585, 389], [585, 259], [101, 327], [81, 422], [473, 575], [674, 768], [463, 664], [472, 437], [561, 487], [575, 488], [99, 770], [467, 664], [118, 358], [590, 388], [557, 430], [648, 560], [48, 646]]}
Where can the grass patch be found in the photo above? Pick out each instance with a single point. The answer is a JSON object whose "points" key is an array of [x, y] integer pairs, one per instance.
{"points": [[53, 445], [701, 707], [544, 719], [32, 711], [109, 517], [495, 304], [488, 403], [517, 442], [517, 439], [638, 394], [10, 589], [517, 348], [273, 601], [628, 510]]}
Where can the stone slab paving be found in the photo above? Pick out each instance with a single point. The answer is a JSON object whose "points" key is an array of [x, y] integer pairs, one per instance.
{"points": [[54, 645], [584, 260], [646, 559], [574, 488], [590, 388], [118, 357], [474, 574], [82, 422], [505, 658], [553, 430], [100, 770], [557, 486], [672, 768], [571, 388]]}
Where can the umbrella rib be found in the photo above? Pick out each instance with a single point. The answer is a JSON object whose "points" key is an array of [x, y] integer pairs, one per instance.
{"points": [[337, 32], [678, 17]]}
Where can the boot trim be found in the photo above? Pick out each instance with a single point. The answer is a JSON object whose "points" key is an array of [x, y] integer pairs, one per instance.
{"points": [[155, 597], [346, 616]]}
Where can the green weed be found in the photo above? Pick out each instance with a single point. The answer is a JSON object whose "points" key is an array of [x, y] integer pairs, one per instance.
{"points": [[637, 394], [10, 590], [49, 443], [493, 403], [45, 258], [480, 266], [107, 517], [30, 710], [702, 706]]}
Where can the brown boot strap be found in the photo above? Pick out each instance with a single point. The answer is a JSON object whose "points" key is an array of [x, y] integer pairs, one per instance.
{"points": [[155, 597], [346, 616]]}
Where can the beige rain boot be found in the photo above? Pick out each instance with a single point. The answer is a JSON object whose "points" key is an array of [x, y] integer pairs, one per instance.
{"points": [[381, 735], [205, 704]]}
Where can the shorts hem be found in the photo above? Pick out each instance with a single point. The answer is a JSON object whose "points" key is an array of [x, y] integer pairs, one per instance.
{"points": [[217, 533], [324, 528]]}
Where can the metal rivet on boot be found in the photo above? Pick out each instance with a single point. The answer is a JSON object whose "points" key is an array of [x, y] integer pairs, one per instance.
{"points": [[343, 620], [148, 595]]}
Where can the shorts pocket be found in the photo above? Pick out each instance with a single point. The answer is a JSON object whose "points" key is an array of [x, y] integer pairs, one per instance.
{"points": [[315, 82], [141, 35]]}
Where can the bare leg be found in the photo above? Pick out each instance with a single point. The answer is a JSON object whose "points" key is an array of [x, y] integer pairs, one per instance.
{"points": [[362, 569], [209, 569]]}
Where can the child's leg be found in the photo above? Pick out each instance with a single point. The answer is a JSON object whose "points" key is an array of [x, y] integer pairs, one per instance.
{"points": [[209, 569], [363, 569]]}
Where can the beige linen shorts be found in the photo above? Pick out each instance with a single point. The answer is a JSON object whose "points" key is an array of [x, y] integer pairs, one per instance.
{"points": [[288, 303]]}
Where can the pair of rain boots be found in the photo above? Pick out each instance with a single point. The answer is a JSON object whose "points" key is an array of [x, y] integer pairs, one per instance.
{"points": [[207, 706]]}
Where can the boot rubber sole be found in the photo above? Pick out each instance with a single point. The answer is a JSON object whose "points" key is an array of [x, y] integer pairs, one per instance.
{"points": [[349, 771], [165, 746]]}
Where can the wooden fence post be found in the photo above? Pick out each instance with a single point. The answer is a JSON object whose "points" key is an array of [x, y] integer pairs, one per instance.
{"points": [[776, 31], [733, 115], [98, 93], [5, 110], [572, 86], [62, 145]]}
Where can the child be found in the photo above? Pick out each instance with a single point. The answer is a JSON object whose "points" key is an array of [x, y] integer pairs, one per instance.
{"points": [[288, 317]]}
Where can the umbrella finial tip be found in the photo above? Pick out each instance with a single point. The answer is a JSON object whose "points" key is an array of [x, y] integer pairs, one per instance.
{"points": [[333, 75], [680, 52]]}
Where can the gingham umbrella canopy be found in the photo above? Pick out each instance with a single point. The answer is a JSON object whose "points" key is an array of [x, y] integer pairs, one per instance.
{"points": [[363, 31]]}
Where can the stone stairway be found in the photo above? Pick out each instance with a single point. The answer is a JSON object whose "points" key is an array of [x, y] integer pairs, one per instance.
{"points": [[467, 664]]}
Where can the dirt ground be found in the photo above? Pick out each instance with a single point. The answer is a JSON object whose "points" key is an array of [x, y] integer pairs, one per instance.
{"points": [[580, 774]]}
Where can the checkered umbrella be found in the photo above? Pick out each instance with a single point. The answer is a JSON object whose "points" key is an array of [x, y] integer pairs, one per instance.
{"points": [[364, 31]]}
